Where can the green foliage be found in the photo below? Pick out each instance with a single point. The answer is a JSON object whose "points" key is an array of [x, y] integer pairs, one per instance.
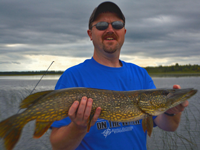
{"points": [[151, 70], [31, 73], [174, 69]]}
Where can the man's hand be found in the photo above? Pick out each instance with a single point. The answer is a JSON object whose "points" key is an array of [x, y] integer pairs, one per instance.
{"points": [[179, 108], [80, 113], [70, 136]]}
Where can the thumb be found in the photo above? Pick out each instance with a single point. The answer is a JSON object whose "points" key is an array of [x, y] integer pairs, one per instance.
{"points": [[176, 86]]}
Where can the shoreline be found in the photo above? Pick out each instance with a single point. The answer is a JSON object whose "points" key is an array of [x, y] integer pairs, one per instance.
{"points": [[151, 74], [174, 74]]}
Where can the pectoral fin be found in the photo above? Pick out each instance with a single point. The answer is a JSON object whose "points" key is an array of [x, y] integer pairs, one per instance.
{"points": [[41, 128], [147, 124], [89, 121]]}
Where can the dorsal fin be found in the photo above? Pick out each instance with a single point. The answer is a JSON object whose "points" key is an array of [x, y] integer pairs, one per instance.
{"points": [[33, 98]]}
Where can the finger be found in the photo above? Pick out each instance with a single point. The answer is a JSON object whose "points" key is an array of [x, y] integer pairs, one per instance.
{"points": [[96, 115], [81, 108], [182, 106], [179, 108], [185, 104], [72, 109], [173, 110], [176, 86], [88, 109]]}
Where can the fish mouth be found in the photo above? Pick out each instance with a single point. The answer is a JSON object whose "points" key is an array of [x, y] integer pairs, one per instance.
{"points": [[178, 92], [178, 96], [192, 92]]}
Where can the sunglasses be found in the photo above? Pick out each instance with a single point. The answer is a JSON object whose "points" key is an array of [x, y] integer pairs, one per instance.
{"points": [[104, 25]]}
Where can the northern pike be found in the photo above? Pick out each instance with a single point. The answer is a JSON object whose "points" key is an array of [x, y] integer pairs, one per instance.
{"points": [[48, 106]]}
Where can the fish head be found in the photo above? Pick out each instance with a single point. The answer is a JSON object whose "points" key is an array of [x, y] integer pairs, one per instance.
{"points": [[178, 96], [157, 102]]}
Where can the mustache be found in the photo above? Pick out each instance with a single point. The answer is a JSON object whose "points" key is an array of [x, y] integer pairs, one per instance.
{"points": [[110, 34]]}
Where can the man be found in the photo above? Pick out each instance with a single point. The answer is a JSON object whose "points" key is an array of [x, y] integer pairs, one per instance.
{"points": [[105, 71]]}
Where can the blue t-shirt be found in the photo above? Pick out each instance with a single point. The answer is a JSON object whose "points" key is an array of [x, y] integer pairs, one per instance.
{"points": [[105, 134]]}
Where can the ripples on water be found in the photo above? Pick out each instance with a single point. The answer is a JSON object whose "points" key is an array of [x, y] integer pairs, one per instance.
{"points": [[12, 92], [14, 89]]}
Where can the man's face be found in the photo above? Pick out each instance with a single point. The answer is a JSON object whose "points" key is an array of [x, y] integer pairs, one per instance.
{"points": [[110, 40]]}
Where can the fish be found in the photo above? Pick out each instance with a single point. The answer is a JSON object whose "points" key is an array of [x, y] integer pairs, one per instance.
{"points": [[122, 106]]}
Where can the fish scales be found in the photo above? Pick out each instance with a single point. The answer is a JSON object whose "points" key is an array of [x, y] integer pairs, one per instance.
{"points": [[111, 102], [48, 106]]}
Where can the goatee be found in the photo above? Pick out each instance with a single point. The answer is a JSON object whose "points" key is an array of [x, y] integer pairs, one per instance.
{"points": [[110, 49]]}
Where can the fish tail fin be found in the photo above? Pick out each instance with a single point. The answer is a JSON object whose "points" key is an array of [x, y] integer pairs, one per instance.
{"points": [[10, 130], [147, 125]]}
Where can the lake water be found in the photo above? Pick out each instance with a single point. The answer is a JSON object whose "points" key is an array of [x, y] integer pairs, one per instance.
{"points": [[13, 89]]}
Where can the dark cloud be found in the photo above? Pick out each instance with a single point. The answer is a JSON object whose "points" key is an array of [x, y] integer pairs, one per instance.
{"points": [[157, 29]]}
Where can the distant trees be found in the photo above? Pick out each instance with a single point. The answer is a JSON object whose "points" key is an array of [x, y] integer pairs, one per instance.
{"points": [[31, 73], [174, 69], [160, 69]]}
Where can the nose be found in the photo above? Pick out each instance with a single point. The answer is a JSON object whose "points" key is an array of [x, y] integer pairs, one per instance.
{"points": [[110, 28]]}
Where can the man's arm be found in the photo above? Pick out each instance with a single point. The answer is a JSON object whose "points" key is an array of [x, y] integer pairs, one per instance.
{"points": [[69, 137], [171, 123]]}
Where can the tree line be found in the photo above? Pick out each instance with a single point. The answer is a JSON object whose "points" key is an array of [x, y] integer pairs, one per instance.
{"points": [[160, 69], [174, 69], [31, 72]]}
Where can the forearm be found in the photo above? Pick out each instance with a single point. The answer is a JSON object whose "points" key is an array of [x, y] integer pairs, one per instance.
{"points": [[67, 137], [168, 123]]}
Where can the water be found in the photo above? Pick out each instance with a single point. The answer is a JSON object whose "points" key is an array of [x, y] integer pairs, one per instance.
{"points": [[14, 89]]}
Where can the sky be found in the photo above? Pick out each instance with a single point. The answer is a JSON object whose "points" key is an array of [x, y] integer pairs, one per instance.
{"points": [[33, 33]]}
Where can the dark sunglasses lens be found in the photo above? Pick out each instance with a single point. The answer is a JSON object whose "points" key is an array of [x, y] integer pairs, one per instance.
{"points": [[117, 25], [102, 25]]}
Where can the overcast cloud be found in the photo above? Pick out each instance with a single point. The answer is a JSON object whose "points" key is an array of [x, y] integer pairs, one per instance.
{"points": [[33, 33]]}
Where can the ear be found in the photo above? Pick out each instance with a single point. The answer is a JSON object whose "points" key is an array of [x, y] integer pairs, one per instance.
{"points": [[89, 32]]}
